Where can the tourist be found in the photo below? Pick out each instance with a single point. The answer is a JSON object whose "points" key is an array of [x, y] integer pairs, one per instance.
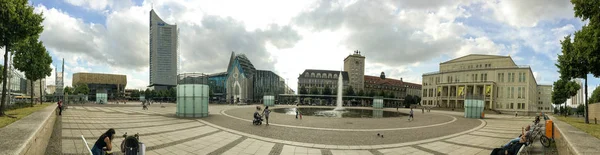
{"points": [[296, 113], [524, 131], [512, 149], [516, 114], [266, 113], [411, 117], [60, 107], [104, 143]]}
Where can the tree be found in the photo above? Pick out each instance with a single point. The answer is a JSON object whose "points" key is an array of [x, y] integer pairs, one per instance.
{"points": [[135, 94], [580, 109], [564, 89], [349, 91], [32, 58], [68, 90], [1, 68], [314, 91], [302, 90], [582, 56], [381, 93], [147, 94], [417, 99], [361, 93], [371, 93], [81, 89], [408, 100], [17, 23], [173, 93], [595, 98], [326, 90]]}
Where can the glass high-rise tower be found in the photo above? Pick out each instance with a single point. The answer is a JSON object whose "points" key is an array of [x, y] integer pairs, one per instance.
{"points": [[163, 53]]}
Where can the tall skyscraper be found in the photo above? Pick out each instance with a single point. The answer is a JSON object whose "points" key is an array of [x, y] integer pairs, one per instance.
{"points": [[163, 53], [59, 81]]}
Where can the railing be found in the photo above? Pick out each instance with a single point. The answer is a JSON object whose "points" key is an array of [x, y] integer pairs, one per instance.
{"points": [[86, 145]]}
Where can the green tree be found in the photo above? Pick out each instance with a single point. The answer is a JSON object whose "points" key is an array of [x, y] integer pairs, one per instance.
{"points": [[68, 90], [580, 109], [408, 100], [371, 93], [361, 93], [135, 94], [81, 89], [595, 98], [173, 93], [32, 58], [17, 23], [1, 68], [417, 99], [582, 56], [314, 91], [564, 89], [349, 91], [326, 90], [381, 93], [302, 90]]}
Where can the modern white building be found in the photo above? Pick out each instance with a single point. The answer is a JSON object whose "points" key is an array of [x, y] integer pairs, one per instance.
{"points": [[578, 99], [163, 53], [503, 85]]}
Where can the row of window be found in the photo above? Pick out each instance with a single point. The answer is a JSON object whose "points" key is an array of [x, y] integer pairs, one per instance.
{"points": [[319, 75], [479, 78]]}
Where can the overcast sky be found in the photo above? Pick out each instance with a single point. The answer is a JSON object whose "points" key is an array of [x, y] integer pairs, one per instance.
{"points": [[402, 38]]}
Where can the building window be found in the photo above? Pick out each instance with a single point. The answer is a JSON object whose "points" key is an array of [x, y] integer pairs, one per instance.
{"points": [[512, 92], [512, 105], [519, 92]]}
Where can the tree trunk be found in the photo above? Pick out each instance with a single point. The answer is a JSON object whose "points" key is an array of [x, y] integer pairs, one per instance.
{"points": [[4, 72], [31, 81], [587, 121]]}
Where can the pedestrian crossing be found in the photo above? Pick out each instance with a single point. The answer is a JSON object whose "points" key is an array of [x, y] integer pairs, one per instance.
{"points": [[167, 135]]}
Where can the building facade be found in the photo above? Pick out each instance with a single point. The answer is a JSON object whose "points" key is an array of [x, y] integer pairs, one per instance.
{"points": [[579, 98], [545, 99], [37, 86], [503, 85], [217, 83], [163, 53], [355, 66], [50, 89], [320, 79], [111, 84], [398, 88], [240, 78], [267, 83]]}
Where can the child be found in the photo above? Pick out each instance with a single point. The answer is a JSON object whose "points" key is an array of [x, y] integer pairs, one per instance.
{"points": [[411, 117]]}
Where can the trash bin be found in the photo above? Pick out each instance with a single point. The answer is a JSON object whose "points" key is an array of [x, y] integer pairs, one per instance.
{"points": [[549, 128]]}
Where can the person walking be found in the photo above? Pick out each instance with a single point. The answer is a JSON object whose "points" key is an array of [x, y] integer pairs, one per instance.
{"points": [[60, 107], [266, 113], [411, 117]]}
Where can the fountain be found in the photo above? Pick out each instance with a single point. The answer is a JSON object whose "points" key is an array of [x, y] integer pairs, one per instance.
{"points": [[339, 94]]}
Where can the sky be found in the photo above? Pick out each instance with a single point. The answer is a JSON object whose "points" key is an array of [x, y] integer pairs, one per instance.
{"points": [[403, 38]]}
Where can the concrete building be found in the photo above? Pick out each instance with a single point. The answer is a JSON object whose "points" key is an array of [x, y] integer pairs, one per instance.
{"points": [[240, 77], [111, 84], [50, 89], [398, 88], [163, 53], [544, 98], [502, 84], [579, 98], [321, 79], [355, 66], [36, 88], [218, 85]]}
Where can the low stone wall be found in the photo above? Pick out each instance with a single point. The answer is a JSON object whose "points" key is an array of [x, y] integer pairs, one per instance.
{"points": [[570, 140], [594, 112], [29, 135]]}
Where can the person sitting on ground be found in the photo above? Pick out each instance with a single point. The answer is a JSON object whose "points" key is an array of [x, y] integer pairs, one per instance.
{"points": [[104, 142], [524, 131]]}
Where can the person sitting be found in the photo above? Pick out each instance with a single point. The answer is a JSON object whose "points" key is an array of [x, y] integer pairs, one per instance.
{"points": [[524, 131], [104, 142], [537, 120], [257, 115]]}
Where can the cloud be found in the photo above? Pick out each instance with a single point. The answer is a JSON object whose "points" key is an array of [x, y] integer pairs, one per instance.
{"points": [[529, 13], [100, 5]]}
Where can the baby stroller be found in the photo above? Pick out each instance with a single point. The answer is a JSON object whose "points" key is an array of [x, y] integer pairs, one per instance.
{"points": [[257, 119], [132, 146]]}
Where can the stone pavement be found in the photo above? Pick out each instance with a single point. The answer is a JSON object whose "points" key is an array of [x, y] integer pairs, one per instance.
{"points": [[164, 134]]}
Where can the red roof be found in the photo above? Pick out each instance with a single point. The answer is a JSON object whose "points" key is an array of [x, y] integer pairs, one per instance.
{"points": [[387, 81]]}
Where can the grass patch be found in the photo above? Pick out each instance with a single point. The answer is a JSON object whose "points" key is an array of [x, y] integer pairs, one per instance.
{"points": [[20, 113], [592, 129]]}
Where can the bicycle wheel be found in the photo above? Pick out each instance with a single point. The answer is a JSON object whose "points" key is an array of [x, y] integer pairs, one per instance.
{"points": [[545, 141]]}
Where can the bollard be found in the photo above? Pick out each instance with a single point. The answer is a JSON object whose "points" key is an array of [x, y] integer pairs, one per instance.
{"points": [[595, 121]]}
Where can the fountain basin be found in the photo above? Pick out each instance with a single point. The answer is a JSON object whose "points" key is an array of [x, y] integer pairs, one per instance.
{"points": [[345, 113]]}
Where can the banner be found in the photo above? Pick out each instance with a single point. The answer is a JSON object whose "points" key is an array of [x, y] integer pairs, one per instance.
{"points": [[488, 89], [439, 90], [460, 90]]}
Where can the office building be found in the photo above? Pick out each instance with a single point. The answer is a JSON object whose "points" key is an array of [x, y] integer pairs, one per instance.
{"points": [[163, 53], [392, 88], [320, 79], [218, 85], [544, 98], [503, 85], [579, 98]]}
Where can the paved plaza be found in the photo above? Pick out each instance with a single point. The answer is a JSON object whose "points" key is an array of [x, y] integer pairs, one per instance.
{"points": [[228, 130]]}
